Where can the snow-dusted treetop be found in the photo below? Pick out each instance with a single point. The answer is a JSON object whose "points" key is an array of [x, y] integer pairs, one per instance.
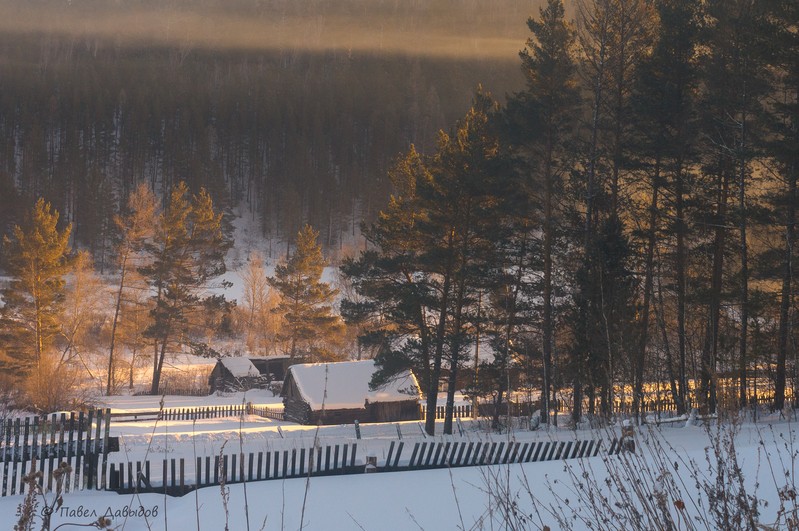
{"points": [[348, 385]]}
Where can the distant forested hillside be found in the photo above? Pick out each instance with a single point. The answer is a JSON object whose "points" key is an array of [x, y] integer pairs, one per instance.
{"points": [[295, 108]]}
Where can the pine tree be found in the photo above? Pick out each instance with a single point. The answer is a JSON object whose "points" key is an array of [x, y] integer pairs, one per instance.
{"points": [[436, 246], [542, 121], [664, 104], [784, 148], [394, 288], [135, 228], [187, 253], [464, 223], [306, 302], [37, 258], [614, 36], [735, 80]]}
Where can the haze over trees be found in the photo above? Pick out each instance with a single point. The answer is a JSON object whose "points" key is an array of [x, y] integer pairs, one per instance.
{"points": [[615, 228], [635, 151]]}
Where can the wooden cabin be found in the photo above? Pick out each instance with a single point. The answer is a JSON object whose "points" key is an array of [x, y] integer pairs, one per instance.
{"points": [[241, 374], [338, 393]]}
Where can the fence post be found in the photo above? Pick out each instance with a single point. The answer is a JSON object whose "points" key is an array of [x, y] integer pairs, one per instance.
{"points": [[96, 456], [26, 452], [50, 450], [106, 436], [357, 429]]}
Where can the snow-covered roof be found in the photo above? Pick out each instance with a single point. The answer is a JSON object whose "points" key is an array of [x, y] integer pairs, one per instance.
{"points": [[240, 367], [347, 385]]}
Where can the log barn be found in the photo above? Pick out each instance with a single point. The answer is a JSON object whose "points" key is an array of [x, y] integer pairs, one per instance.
{"points": [[241, 374], [338, 393]]}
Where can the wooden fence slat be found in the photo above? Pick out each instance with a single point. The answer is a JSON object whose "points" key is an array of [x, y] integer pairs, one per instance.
{"points": [[564, 449], [578, 449], [302, 461], [550, 451], [459, 458], [613, 443], [421, 447], [390, 454], [430, 453], [5, 433], [87, 481], [95, 454], [62, 424], [79, 451], [539, 451], [399, 452], [545, 451], [16, 456], [451, 458], [26, 453], [106, 437], [438, 453], [483, 454], [469, 447], [510, 457], [497, 453], [51, 450], [70, 450], [596, 447]]}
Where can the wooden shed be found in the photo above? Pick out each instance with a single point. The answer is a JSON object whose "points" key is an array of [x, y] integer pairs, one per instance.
{"points": [[342, 390], [241, 374]]}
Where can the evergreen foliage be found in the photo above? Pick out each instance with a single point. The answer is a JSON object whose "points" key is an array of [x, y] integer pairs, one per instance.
{"points": [[37, 257], [310, 327], [187, 253], [627, 217]]}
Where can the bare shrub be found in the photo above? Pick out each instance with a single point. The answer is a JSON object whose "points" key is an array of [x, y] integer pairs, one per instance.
{"points": [[654, 486], [54, 385], [192, 381]]}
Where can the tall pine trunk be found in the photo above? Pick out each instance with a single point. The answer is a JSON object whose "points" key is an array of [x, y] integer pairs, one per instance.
{"points": [[786, 294], [711, 344], [649, 275], [680, 273], [744, 287]]}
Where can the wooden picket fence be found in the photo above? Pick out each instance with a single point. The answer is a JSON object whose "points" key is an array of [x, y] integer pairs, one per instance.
{"points": [[42, 443], [457, 412], [179, 476], [197, 413], [266, 412]]}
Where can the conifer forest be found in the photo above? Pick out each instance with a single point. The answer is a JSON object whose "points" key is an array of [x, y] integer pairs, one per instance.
{"points": [[592, 202]]}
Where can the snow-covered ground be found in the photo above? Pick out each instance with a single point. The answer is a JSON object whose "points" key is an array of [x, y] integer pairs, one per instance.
{"points": [[458, 498]]}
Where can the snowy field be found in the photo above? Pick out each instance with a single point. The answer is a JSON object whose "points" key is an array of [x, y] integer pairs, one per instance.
{"points": [[544, 494]]}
